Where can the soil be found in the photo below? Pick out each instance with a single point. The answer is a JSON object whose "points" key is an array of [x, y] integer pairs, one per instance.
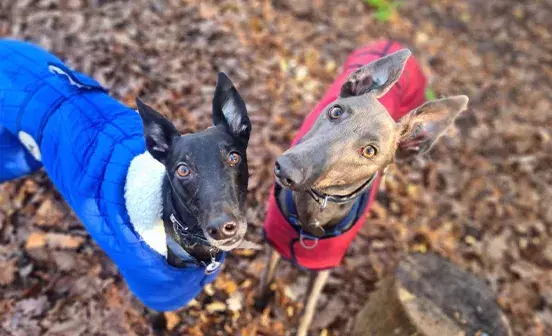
{"points": [[481, 198]]}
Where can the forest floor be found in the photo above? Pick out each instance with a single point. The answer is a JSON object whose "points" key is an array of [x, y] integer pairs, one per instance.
{"points": [[482, 198]]}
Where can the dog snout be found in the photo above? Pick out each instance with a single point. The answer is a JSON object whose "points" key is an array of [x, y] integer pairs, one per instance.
{"points": [[222, 229], [289, 174]]}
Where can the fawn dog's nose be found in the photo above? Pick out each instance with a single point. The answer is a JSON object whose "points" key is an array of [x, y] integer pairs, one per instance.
{"points": [[222, 229], [288, 173]]}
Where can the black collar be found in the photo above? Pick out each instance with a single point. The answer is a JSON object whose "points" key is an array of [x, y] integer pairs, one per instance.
{"points": [[323, 198], [190, 235]]}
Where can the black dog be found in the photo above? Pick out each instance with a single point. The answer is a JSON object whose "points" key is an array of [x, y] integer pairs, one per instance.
{"points": [[150, 198], [205, 184]]}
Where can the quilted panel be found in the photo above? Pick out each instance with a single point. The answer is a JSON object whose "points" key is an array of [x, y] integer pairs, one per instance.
{"points": [[87, 140]]}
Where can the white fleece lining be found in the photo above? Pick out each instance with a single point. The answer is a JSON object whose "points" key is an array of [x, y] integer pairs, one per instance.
{"points": [[144, 200]]}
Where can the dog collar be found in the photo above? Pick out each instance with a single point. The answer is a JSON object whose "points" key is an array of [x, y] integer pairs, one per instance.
{"points": [[184, 232], [186, 257], [344, 224], [323, 198]]}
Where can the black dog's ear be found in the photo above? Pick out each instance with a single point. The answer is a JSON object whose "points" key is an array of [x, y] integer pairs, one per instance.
{"points": [[376, 77], [159, 132], [229, 109]]}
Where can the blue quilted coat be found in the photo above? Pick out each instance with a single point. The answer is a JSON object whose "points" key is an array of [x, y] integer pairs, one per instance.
{"points": [[85, 140]]}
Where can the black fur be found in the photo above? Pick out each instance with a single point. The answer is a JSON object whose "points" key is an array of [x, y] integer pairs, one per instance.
{"points": [[214, 192]]}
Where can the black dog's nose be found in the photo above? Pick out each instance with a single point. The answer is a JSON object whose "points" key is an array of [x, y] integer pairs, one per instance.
{"points": [[288, 173], [224, 230]]}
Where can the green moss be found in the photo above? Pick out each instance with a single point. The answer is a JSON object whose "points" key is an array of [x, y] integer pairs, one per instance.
{"points": [[384, 8], [430, 94]]}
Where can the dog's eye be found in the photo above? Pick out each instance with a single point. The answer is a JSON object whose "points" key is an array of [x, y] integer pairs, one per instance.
{"points": [[233, 159], [183, 170], [335, 113], [369, 151]]}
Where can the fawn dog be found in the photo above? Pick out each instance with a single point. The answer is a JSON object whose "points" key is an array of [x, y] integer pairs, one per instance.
{"points": [[369, 117]]}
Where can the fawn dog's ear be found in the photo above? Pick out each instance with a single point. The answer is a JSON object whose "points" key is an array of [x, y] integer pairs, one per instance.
{"points": [[376, 77], [229, 109], [159, 132], [422, 127]]}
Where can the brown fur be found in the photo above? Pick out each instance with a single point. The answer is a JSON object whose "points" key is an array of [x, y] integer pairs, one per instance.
{"points": [[329, 157]]}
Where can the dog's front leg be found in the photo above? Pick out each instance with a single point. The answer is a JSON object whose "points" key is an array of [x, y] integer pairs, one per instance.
{"points": [[267, 279], [316, 284]]}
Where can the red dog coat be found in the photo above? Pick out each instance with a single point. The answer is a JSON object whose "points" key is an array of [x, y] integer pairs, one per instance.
{"points": [[284, 233]]}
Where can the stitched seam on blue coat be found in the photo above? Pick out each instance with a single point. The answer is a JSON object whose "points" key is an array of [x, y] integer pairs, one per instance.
{"points": [[99, 190], [28, 98], [107, 121], [48, 114]]}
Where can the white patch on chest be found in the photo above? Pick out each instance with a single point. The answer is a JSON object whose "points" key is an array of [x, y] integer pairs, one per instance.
{"points": [[144, 200]]}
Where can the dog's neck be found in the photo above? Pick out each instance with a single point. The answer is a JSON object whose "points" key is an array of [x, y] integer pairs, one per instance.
{"points": [[308, 209], [145, 195], [172, 206]]}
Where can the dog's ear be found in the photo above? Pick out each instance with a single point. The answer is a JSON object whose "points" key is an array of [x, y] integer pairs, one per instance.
{"points": [[376, 77], [229, 109], [159, 132], [422, 127]]}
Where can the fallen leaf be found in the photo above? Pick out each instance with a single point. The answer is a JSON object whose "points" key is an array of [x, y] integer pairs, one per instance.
{"points": [[7, 275], [64, 241], [235, 301], [172, 320], [35, 240], [33, 306], [215, 307], [64, 260], [48, 214], [226, 284]]}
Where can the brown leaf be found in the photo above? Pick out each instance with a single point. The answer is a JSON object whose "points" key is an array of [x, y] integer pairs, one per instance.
{"points": [[64, 260], [48, 214], [215, 307], [172, 320], [35, 240], [64, 241], [33, 306], [7, 273]]}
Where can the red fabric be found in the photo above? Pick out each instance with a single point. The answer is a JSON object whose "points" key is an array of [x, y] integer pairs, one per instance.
{"points": [[405, 95]]}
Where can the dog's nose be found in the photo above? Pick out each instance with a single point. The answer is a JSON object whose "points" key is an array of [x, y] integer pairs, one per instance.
{"points": [[222, 230], [288, 173]]}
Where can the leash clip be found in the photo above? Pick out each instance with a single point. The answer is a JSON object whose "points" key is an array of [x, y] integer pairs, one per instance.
{"points": [[304, 244], [213, 266]]}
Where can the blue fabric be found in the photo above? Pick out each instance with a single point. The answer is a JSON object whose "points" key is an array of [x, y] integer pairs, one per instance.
{"points": [[87, 140], [352, 217]]}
